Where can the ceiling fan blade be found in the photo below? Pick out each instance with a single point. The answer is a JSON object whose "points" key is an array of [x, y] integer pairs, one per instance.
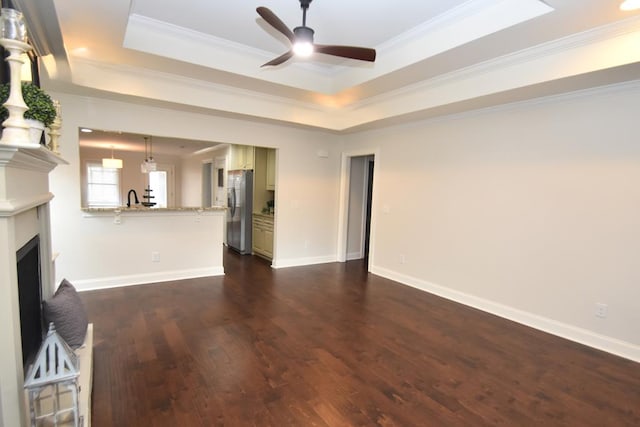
{"points": [[361, 53], [279, 60], [275, 22]]}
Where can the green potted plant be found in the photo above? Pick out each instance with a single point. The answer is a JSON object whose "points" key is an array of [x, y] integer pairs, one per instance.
{"points": [[41, 107]]}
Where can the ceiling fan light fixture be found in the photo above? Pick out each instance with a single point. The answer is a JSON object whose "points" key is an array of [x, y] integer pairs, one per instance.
{"points": [[630, 5], [303, 46], [301, 39], [303, 49]]}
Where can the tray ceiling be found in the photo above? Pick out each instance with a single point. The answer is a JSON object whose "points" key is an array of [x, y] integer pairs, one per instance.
{"points": [[435, 57]]}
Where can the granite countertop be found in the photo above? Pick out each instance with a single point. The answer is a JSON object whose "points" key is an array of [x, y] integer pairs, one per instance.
{"points": [[147, 210]]}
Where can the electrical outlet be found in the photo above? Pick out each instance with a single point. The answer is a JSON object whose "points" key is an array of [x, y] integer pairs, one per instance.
{"points": [[601, 310], [403, 260], [155, 256]]}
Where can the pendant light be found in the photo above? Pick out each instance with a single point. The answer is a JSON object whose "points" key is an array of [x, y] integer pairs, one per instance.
{"points": [[149, 165], [112, 163]]}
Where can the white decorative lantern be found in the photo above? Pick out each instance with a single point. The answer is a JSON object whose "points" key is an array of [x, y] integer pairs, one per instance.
{"points": [[52, 384]]}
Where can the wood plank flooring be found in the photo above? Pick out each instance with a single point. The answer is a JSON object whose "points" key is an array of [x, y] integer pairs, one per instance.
{"points": [[331, 345]]}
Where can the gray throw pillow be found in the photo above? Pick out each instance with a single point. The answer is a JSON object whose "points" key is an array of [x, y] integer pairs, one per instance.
{"points": [[66, 311]]}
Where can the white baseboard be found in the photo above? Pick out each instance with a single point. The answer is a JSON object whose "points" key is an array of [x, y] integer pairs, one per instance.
{"points": [[564, 330], [354, 255], [299, 262], [141, 279]]}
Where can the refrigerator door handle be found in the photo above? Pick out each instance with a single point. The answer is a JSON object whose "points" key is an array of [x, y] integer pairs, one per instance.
{"points": [[232, 201]]}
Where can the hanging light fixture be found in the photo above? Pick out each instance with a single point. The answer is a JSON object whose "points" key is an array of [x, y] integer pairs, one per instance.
{"points": [[149, 165], [112, 163]]}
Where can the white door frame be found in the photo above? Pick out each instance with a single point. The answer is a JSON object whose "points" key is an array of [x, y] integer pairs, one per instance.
{"points": [[343, 213]]}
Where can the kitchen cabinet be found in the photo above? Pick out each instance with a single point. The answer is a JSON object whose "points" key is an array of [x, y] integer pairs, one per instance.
{"points": [[271, 169], [262, 238], [263, 190], [241, 157], [236, 157]]}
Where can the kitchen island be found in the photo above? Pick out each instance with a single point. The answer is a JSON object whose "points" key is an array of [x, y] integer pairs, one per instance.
{"points": [[139, 245]]}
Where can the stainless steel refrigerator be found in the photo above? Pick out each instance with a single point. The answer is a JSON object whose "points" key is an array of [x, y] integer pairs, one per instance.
{"points": [[240, 210]]}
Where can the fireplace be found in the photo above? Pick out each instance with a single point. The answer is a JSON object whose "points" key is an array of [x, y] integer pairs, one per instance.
{"points": [[30, 299], [26, 267]]}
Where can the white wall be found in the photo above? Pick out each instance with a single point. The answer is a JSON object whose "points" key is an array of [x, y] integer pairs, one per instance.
{"points": [[529, 211], [306, 199], [188, 244], [308, 183]]}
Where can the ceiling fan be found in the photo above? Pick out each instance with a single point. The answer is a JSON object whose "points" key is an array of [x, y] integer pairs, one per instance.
{"points": [[302, 40]]}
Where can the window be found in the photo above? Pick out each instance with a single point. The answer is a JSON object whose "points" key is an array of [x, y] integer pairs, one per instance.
{"points": [[103, 186]]}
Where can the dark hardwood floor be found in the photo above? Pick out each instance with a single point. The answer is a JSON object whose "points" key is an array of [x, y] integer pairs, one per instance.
{"points": [[331, 345]]}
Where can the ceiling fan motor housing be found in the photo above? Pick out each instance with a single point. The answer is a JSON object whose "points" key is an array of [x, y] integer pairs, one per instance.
{"points": [[303, 34]]}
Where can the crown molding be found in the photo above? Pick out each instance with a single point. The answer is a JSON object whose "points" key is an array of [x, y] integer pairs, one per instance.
{"points": [[182, 44], [45, 36], [178, 90], [576, 95], [468, 22], [465, 11], [170, 79], [561, 46]]}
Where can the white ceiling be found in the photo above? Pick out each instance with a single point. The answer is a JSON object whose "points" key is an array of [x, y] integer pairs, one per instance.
{"points": [[434, 57]]}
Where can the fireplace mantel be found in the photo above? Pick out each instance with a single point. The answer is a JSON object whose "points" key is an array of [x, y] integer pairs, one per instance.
{"points": [[24, 213], [25, 177]]}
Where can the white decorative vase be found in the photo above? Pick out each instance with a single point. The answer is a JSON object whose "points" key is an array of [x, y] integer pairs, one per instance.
{"points": [[35, 130]]}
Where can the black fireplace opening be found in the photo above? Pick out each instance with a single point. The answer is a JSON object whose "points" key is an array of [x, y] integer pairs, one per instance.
{"points": [[30, 299]]}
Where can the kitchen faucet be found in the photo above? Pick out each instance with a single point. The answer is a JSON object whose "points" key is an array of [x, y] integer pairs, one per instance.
{"points": [[135, 195]]}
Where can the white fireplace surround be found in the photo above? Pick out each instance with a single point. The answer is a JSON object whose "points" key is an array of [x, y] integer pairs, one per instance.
{"points": [[24, 213]]}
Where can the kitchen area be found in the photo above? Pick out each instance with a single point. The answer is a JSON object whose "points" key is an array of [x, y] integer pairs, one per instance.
{"points": [[250, 199], [231, 182], [152, 221]]}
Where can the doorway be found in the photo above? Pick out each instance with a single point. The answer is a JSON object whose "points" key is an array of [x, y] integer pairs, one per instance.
{"points": [[356, 207], [369, 163], [219, 181], [207, 184], [162, 185], [214, 182]]}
